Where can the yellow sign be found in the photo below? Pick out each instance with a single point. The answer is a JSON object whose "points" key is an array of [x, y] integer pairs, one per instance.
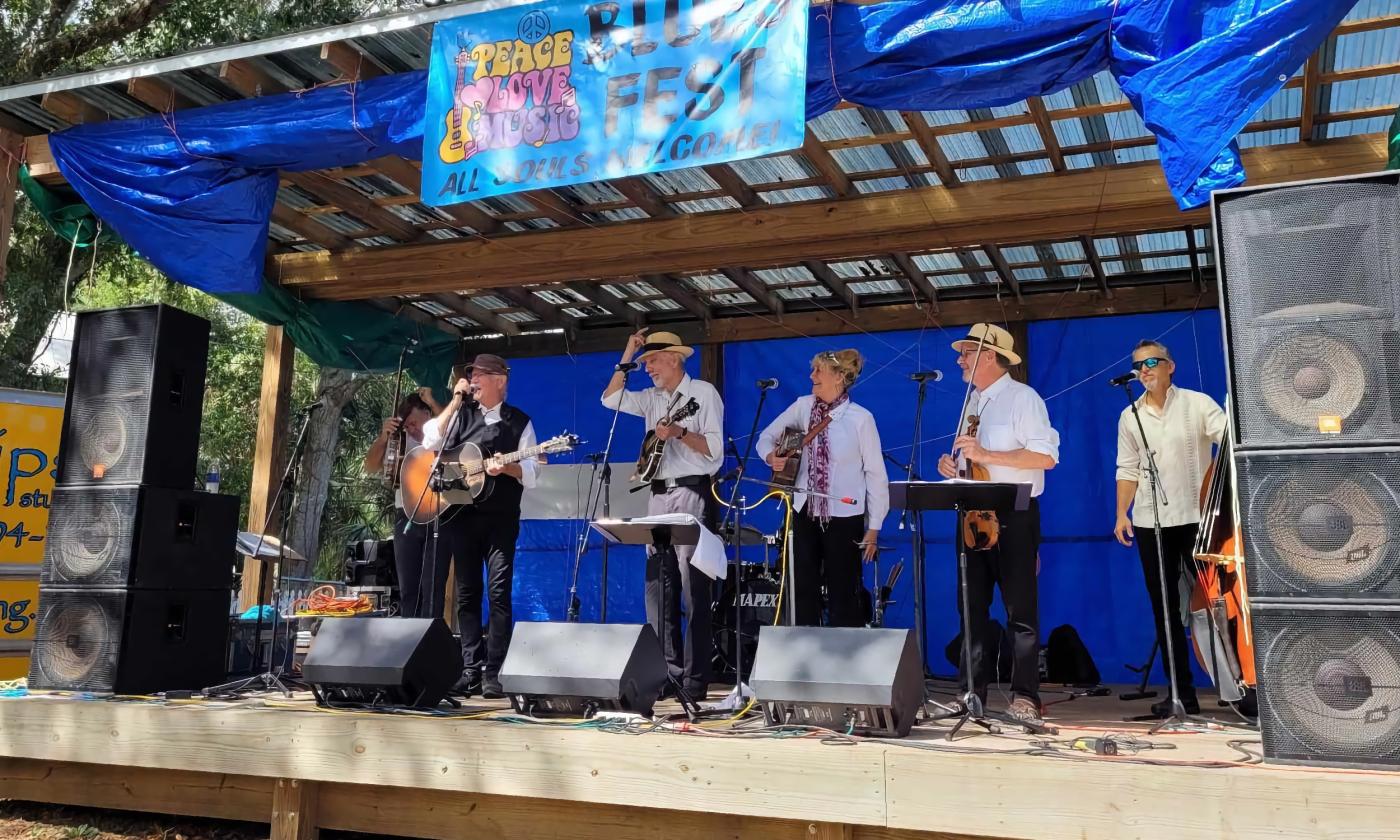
{"points": [[30, 424]]}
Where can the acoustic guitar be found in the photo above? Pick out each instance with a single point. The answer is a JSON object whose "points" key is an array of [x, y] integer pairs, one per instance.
{"points": [[790, 446], [464, 479], [654, 447]]}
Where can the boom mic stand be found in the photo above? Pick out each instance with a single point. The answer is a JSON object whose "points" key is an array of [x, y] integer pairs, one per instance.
{"points": [[597, 489], [271, 679]]}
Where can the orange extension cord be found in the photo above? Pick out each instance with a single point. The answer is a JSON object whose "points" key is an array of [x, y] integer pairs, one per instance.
{"points": [[323, 601]]}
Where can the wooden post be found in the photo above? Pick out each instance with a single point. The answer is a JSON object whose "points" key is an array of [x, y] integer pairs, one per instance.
{"points": [[1020, 334], [294, 810], [712, 365], [11, 146], [269, 457]]}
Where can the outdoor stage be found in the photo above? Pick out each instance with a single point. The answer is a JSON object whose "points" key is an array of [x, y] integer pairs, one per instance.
{"points": [[302, 769]]}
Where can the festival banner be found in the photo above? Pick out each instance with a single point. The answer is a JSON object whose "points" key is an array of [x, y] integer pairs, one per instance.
{"points": [[560, 93]]}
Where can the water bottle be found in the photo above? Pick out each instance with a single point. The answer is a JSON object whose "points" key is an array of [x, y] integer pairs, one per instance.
{"points": [[211, 478]]}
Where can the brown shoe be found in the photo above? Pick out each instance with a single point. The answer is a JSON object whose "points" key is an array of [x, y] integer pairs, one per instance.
{"points": [[1024, 710]]}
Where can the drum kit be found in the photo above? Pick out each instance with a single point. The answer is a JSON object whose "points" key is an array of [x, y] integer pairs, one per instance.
{"points": [[757, 585]]}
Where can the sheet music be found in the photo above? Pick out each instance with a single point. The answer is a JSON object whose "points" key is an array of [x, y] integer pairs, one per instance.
{"points": [[709, 548]]}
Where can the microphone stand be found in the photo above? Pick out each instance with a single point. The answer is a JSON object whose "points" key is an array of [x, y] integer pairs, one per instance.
{"points": [[915, 523], [1178, 717], [430, 545], [598, 489]]}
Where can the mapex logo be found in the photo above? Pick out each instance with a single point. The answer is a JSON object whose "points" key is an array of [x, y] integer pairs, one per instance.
{"points": [[759, 600]]}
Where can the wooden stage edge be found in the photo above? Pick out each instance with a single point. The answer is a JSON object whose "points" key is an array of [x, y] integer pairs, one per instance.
{"points": [[449, 778]]}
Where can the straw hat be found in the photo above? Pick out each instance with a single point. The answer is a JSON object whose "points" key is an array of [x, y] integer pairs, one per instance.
{"points": [[659, 341], [994, 338]]}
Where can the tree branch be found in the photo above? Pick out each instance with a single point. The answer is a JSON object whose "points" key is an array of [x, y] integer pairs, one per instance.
{"points": [[44, 56]]}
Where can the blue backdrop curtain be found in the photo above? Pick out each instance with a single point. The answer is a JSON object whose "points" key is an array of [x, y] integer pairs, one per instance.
{"points": [[1087, 579]]}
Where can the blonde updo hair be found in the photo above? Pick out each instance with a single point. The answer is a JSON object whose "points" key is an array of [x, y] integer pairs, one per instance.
{"points": [[848, 363]]}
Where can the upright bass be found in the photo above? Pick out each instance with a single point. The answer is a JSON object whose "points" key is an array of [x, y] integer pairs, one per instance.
{"points": [[1220, 624]]}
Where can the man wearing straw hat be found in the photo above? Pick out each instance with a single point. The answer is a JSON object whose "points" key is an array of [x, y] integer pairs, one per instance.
{"points": [[693, 453], [1017, 444]]}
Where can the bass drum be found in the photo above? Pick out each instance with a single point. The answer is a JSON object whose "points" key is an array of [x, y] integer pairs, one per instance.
{"points": [[758, 606]]}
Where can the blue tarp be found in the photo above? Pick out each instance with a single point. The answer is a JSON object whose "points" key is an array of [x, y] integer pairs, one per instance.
{"points": [[1087, 579], [193, 191]]}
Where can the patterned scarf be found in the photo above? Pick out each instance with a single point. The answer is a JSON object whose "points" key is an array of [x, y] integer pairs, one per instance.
{"points": [[819, 467]]}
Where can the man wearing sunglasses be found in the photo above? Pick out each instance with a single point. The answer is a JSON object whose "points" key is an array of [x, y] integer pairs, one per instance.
{"points": [[1181, 425]]}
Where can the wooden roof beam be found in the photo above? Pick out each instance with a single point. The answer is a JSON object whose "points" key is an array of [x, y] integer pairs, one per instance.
{"points": [[609, 302], [640, 193], [1047, 133], [918, 280], [68, 107], [550, 316], [734, 186], [1003, 270], [407, 310], [356, 203], [1111, 201], [464, 305], [157, 94], [309, 229], [928, 141], [755, 288], [406, 175], [819, 157], [248, 79], [1312, 96], [834, 283], [554, 207], [675, 289], [351, 63], [1095, 266]]}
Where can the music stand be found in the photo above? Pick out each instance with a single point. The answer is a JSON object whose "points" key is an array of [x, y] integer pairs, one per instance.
{"points": [[960, 496], [663, 538]]}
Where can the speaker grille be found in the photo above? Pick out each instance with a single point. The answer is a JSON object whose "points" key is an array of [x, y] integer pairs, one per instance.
{"points": [[1329, 684], [1322, 523], [77, 643], [91, 536], [1310, 281]]}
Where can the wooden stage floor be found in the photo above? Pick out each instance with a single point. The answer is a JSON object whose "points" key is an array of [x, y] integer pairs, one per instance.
{"points": [[483, 774]]}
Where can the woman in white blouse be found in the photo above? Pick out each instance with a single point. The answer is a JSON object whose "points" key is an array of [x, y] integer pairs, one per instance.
{"points": [[838, 521]]}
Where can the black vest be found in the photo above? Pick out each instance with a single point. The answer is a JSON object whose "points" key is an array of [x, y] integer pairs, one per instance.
{"points": [[497, 438]]}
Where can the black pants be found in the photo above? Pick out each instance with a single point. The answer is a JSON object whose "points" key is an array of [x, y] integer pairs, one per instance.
{"points": [[688, 642], [484, 541], [411, 559], [827, 557], [1009, 565], [1178, 542]]}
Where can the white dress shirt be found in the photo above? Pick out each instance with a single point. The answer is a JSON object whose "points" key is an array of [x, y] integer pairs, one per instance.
{"points": [[857, 467], [432, 440], [652, 404], [1013, 416], [1181, 435]]}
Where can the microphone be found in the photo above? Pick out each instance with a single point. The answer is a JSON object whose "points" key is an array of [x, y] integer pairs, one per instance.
{"points": [[623, 367], [934, 375], [767, 384], [729, 476], [1123, 380], [314, 405]]}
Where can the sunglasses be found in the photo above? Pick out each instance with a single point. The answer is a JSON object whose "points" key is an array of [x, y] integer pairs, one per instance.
{"points": [[1148, 363]]}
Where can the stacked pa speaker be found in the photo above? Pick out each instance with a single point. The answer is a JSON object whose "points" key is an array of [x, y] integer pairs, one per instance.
{"points": [[135, 586], [1310, 294]]}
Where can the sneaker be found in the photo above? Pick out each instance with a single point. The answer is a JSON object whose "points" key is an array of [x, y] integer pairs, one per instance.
{"points": [[491, 689], [469, 684], [1024, 710], [1164, 708]]}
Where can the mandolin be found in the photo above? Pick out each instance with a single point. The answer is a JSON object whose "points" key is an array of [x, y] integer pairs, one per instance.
{"points": [[398, 441], [790, 446], [654, 447], [464, 477], [981, 528]]}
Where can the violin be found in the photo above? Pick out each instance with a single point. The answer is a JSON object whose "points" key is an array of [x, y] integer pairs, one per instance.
{"points": [[981, 528]]}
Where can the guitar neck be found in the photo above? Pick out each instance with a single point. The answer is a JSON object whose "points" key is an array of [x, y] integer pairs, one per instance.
{"points": [[522, 455]]}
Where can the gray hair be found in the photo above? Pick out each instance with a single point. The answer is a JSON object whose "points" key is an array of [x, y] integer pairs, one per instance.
{"points": [[1159, 346]]}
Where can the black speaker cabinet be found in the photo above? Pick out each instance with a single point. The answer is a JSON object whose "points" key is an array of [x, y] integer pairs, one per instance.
{"points": [[1321, 523], [141, 537], [559, 668], [846, 678], [383, 661], [1329, 683], [1309, 294], [135, 394], [128, 641]]}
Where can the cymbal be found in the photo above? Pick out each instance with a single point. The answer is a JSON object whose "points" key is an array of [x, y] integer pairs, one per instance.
{"points": [[248, 542], [748, 535]]}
